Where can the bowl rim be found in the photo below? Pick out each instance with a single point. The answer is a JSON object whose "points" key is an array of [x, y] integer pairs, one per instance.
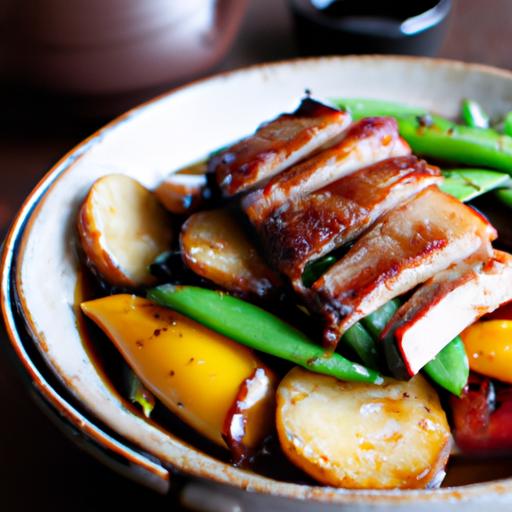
{"points": [[13, 244], [157, 475]]}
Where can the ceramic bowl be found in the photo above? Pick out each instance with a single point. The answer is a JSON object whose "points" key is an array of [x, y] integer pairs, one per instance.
{"points": [[98, 47], [39, 268], [419, 30]]}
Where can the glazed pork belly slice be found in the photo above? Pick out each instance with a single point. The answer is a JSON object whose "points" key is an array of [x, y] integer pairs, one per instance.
{"points": [[404, 248], [311, 226], [277, 145], [368, 141], [443, 307]]}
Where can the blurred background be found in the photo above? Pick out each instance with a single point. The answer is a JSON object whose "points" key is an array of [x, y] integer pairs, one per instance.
{"points": [[69, 66]]}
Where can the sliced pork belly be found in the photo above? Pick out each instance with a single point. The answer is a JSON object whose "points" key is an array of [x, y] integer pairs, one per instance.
{"points": [[277, 145], [314, 225], [368, 141], [444, 306], [405, 248]]}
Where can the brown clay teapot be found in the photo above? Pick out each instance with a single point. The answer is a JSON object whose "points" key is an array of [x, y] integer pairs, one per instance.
{"points": [[113, 46]]}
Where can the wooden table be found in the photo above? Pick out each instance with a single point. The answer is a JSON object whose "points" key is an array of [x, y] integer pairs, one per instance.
{"points": [[39, 468]]}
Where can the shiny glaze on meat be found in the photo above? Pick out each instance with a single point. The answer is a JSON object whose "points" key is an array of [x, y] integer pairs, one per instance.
{"points": [[368, 141], [405, 248], [448, 303], [277, 145], [314, 225]]}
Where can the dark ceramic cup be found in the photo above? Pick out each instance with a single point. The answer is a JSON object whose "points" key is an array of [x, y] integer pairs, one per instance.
{"points": [[349, 26]]}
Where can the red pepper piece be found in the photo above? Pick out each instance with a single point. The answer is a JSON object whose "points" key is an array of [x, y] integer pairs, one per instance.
{"points": [[482, 417]]}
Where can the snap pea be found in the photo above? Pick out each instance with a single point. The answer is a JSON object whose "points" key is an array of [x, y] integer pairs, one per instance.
{"points": [[376, 321], [316, 268], [473, 114], [437, 137], [366, 107], [466, 184], [450, 368], [361, 337], [394, 360], [258, 329], [363, 344], [507, 124]]}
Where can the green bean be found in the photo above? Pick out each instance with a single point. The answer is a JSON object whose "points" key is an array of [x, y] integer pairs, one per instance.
{"points": [[362, 107], [376, 321], [450, 367], [363, 344], [435, 137], [474, 115], [394, 360], [507, 124], [317, 268], [466, 184], [258, 329]]}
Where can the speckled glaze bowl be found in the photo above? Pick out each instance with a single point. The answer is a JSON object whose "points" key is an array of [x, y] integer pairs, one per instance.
{"points": [[39, 270]]}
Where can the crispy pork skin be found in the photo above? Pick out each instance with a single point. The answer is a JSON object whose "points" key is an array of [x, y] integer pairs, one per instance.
{"points": [[277, 145], [406, 247], [446, 304], [314, 225], [368, 141]]}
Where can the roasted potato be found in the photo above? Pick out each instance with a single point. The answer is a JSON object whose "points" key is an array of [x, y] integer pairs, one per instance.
{"points": [[363, 436], [122, 229], [215, 246], [182, 193], [219, 388]]}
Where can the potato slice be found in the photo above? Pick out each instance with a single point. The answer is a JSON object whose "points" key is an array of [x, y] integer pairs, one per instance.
{"points": [[215, 246], [182, 193], [362, 436], [122, 229]]}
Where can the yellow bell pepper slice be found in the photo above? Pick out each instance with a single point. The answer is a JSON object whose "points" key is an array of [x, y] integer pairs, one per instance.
{"points": [[218, 387], [489, 348]]}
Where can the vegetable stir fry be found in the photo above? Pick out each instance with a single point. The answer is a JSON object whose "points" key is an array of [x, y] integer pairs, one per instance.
{"points": [[320, 286]]}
